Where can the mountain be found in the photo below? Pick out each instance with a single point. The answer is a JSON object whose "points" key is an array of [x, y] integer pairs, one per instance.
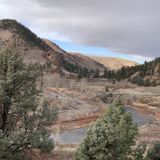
{"points": [[32, 48], [54, 59], [113, 63], [77, 58], [54, 46], [44, 52]]}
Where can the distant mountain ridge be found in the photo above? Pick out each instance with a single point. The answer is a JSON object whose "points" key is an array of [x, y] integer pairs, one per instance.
{"points": [[113, 63], [46, 53]]}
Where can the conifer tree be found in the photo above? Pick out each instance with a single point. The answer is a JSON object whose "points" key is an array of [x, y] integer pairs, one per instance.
{"points": [[105, 75], [110, 138], [154, 152], [97, 73], [23, 119]]}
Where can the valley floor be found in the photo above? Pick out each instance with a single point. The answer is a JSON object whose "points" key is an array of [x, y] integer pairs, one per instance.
{"points": [[82, 103]]}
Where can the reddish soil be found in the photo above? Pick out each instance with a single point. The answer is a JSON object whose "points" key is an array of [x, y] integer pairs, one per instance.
{"points": [[78, 123]]}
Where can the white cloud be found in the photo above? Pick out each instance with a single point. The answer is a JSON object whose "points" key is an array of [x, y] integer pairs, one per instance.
{"points": [[126, 26], [139, 58]]}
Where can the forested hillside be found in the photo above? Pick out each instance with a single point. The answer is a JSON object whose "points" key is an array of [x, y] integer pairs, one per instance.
{"points": [[147, 74]]}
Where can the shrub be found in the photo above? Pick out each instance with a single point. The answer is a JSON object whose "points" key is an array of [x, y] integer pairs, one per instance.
{"points": [[110, 138]]}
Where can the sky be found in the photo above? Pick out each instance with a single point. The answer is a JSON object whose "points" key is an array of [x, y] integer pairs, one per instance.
{"points": [[127, 29]]}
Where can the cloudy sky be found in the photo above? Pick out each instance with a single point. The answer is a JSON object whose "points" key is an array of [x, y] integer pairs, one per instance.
{"points": [[121, 28]]}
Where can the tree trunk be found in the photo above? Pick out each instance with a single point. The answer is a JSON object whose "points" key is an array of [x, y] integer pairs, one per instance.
{"points": [[4, 113]]}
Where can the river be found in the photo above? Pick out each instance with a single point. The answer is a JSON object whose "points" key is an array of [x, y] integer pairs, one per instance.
{"points": [[75, 136]]}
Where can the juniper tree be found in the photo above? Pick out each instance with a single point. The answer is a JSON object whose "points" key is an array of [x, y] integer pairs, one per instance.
{"points": [[23, 118], [97, 73], [105, 74], [154, 152], [110, 138]]}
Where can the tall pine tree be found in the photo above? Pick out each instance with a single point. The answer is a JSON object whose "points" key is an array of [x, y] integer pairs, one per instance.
{"points": [[23, 118]]}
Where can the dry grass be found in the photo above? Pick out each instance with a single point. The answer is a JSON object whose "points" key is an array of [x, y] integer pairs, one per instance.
{"points": [[113, 63]]}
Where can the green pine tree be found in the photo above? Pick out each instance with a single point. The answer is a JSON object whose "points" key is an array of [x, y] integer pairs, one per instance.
{"points": [[110, 138], [22, 117], [97, 73]]}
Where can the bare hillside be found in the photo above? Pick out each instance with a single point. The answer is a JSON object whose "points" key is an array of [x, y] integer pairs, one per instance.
{"points": [[77, 58], [32, 48], [113, 63], [54, 46], [84, 61]]}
